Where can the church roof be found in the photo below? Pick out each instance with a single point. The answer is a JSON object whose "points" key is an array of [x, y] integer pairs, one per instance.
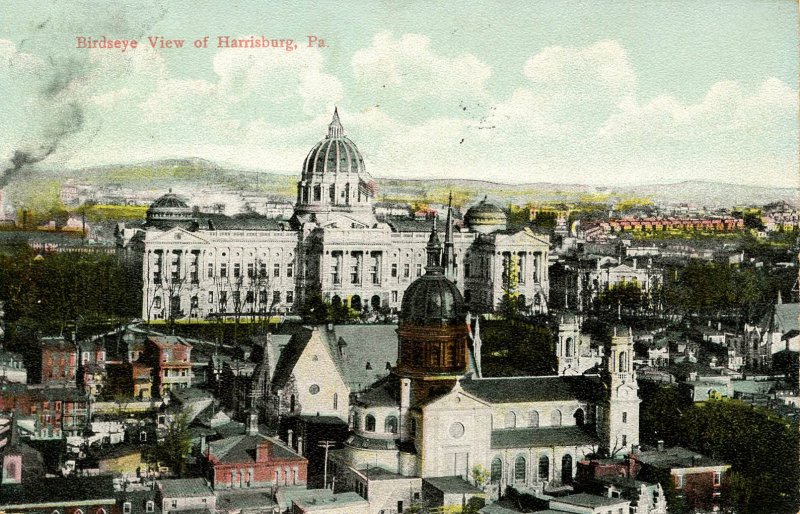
{"points": [[535, 389], [379, 395], [542, 437]]}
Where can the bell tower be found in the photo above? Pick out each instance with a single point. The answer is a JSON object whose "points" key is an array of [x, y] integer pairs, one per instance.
{"points": [[568, 345], [618, 416]]}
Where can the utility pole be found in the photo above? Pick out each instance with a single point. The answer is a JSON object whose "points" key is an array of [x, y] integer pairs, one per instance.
{"points": [[327, 445]]}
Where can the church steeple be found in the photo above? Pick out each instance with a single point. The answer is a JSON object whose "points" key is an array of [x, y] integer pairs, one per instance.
{"points": [[335, 128], [434, 249], [449, 258]]}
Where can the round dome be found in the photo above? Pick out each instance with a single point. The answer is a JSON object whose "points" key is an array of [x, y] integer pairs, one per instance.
{"points": [[169, 208], [432, 300], [486, 217], [334, 154]]}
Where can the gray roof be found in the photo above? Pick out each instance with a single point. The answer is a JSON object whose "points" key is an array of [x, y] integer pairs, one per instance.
{"points": [[453, 485], [535, 389], [242, 448], [787, 317], [375, 345], [542, 437], [184, 488], [676, 457], [590, 500]]}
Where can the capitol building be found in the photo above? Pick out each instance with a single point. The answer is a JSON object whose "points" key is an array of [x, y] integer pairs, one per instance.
{"points": [[204, 266]]}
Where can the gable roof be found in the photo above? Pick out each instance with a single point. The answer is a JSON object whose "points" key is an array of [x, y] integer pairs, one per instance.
{"points": [[535, 389], [242, 448], [542, 437]]}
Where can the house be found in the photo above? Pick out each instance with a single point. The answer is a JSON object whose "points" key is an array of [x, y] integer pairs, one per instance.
{"points": [[185, 494], [46, 412], [348, 502], [448, 492], [129, 380], [58, 362], [698, 480], [170, 358], [253, 461]]}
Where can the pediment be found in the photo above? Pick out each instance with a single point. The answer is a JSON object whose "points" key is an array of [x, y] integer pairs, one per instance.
{"points": [[177, 236], [525, 237]]}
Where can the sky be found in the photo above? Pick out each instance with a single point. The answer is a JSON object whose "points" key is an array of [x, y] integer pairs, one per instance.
{"points": [[600, 93]]}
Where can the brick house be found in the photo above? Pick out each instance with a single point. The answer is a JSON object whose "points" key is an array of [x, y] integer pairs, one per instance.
{"points": [[251, 461], [170, 358], [51, 412], [59, 362], [130, 380]]}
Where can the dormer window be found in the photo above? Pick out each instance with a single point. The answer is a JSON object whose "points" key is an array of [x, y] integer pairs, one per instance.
{"points": [[150, 506], [126, 508]]}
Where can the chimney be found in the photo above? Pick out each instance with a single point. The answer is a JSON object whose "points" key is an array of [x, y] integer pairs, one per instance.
{"points": [[661, 445], [262, 451], [290, 438]]}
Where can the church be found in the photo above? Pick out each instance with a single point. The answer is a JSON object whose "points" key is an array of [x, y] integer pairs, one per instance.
{"points": [[435, 417], [199, 266]]}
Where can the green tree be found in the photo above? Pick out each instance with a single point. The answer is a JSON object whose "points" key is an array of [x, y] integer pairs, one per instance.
{"points": [[510, 304], [177, 445]]}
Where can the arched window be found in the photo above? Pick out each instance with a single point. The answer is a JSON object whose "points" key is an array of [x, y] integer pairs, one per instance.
{"points": [[100, 511], [544, 468], [623, 362], [568, 347], [496, 471], [566, 469], [580, 417], [511, 420], [555, 418], [390, 425], [369, 423], [534, 421], [520, 469]]}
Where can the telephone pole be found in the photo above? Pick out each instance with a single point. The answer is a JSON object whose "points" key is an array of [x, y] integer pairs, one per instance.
{"points": [[327, 444]]}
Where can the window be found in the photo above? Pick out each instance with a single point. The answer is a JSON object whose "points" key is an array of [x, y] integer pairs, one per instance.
{"points": [[251, 270], [369, 423], [249, 297], [496, 472], [335, 401], [276, 270], [174, 503], [534, 421], [544, 468], [394, 270], [193, 303], [624, 417], [555, 418], [262, 270], [406, 270], [126, 508], [157, 302], [262, 296], [717, 478], [678, 481], [390, 425], [223, 270], [290, 270], [419, 269], [520, 469], [211, 297], [624, 440], [394, 296], [223, 298], [150, 506], [289, 296], [143, 436], [276, 297], [511, 420], [237, 270]]}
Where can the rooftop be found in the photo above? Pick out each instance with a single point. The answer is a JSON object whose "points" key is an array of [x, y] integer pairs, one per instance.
{"points": [[535, 389], [453, 485], [339, 500], [184, 487], [589, 500], [677, 457]]}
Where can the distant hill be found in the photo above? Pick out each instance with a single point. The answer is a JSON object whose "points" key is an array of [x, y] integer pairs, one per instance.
{"points": [[200, 173]]}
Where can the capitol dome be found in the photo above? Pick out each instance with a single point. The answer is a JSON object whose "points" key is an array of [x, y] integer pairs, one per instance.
{"points": [[335, 154], [486, 217], [169, 209]]}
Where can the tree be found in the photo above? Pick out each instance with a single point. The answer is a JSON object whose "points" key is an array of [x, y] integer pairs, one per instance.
{"points": [[177, 445], [480, 475]]}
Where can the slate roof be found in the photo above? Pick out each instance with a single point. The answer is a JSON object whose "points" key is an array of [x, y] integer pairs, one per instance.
{"points": [[242, 448], [589, 500], [787, 316], [453, 485], [404, 224], [535, 389], [542, 437], [184, 488], [676, 457], [380, 395]]}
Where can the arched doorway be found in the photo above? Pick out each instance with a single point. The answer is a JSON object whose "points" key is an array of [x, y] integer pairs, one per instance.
{"points": [[336, 301], [566, 469], [355, 303], [375, 302]]}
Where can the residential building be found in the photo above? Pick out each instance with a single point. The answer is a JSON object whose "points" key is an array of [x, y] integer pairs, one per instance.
{"points": [[170, 359], [185, 494], [59, 362], [253, 461]]}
